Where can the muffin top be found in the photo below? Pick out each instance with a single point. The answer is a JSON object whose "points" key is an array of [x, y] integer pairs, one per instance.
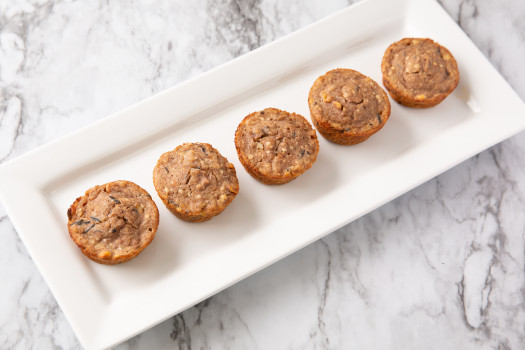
{"points": [[195, 180], [113, 222], [276, 145], [419, 68], [348, 101]]}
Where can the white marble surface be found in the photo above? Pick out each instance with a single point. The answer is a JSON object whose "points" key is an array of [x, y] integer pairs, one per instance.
{"points": [[441, 267]]}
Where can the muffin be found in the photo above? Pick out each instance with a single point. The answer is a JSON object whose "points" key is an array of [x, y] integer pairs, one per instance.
{"points": [[114, 222], [418, 72], [275, 146], [195, 181], [347, 107]]}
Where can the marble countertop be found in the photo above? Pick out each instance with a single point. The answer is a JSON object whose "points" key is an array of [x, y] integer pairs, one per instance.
{"points": [[440, 267]]}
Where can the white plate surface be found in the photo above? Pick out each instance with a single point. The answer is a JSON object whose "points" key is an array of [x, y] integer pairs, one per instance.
{"points": [[189, 262]]}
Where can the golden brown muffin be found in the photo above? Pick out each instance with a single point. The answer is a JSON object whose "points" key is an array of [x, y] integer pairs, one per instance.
{"points": [[275, 146], [114, 222], [347, 107], [195, 181], [418, 72]]}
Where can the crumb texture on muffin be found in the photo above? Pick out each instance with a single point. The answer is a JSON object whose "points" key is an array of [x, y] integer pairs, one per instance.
{"points": [[276, 146], [114, 222], [418, 72], [347, 107], [195, 181]]}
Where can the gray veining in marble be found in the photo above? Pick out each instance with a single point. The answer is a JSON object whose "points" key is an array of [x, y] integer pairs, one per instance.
{"points": [[441, 267]]}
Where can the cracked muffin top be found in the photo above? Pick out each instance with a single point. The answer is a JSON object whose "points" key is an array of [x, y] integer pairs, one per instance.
{"points": [[418, 72], [195, 181], [275, 146], [347, 107], [114, 222]]}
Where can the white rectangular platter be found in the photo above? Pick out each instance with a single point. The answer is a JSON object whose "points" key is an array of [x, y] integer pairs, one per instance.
{"points": [[188, 262]]}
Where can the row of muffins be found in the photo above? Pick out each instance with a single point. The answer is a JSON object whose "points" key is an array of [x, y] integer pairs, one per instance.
{"points": [[114, 222]]}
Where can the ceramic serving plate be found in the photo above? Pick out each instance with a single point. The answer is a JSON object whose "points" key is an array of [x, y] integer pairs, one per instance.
{"points": [[188, 262]]}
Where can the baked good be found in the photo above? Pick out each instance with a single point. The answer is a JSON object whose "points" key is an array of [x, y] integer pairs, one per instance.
{"points": [[418, 72], [114, 222], [275, 146], [195, 181], [347, 107]]}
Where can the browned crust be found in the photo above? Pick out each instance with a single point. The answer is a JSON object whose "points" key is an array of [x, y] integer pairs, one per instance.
{"points": [[192, 216], [89, 251], [189, 215], [404, 96], [269, 179], [352, 136]]}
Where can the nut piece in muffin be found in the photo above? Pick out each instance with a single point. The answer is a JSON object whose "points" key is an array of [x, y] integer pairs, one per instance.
{"points": [[114, 222], [195, 181], [347, 107], [418, 72], [275, 146]]}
